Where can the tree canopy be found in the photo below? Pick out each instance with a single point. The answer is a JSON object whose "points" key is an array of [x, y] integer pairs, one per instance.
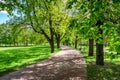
{"points": [[67, 21]]}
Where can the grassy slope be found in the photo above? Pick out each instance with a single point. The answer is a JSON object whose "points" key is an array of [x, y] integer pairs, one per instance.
{"points": [[13, 58], [110, 71]]}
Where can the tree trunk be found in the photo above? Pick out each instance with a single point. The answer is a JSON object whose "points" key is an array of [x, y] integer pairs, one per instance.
{"points": [[57, 39], [51, 34], [52, 43], [91, 47], [51, 38], [76, 41], [99, 45], [58, 42], [52, 46], [99, 54]]}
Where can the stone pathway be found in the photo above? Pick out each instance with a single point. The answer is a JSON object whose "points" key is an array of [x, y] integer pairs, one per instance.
{"points": [[68, 64]]}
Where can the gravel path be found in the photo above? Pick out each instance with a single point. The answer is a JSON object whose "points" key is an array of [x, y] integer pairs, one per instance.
{"points": [[68, 64]]}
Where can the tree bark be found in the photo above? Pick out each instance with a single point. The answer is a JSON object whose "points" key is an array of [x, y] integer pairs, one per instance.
{"points": [[58, 42], [50, 40], [99, 46], [57, 39], [100, 54], [52, 35], [52, 46], [91, 47]]}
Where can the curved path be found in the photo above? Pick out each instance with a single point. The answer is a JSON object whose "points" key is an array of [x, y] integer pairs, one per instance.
{"points": [[68, 64]]}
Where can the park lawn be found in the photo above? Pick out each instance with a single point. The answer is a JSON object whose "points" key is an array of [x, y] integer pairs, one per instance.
{"points": [[14, 58], [110, 71]]}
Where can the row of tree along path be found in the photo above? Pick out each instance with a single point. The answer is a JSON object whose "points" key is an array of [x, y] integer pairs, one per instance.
{"points": [[68, 64]]}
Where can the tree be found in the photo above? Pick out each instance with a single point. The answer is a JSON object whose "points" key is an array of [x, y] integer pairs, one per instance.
{"points": [[60, 21], [99, 13], [91, 47], [6, 35], [39, 14], [74, 28]]}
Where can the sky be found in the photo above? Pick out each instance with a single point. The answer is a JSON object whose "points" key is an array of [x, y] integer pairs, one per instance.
{"points": [[3, 17]]}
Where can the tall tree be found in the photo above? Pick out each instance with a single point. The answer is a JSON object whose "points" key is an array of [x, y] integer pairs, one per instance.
{"points": [[99, 13], [60, 21], [39, 14]]}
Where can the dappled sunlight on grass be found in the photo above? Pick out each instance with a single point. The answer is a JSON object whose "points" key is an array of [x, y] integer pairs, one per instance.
{"points": [[13, 59], [110, 71]]}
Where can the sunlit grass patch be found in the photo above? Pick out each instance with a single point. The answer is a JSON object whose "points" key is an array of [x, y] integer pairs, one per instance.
{"points": [[13, 58]]}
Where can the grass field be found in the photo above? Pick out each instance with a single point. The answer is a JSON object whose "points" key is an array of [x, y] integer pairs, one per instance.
{"points": [[110, 71], [13, 58]]}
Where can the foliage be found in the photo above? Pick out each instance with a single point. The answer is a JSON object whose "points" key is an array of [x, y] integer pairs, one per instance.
{"points": [[46, 17], [100, 23], [90, 11], [115, 44], [23, 35]]}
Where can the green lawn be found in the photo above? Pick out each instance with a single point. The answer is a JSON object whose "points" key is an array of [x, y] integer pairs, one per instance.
{"points": [[110, 71], [13, 58]]}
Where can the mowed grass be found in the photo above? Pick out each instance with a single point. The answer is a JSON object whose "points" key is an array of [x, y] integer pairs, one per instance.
{"points": [[14, 58], [110, 71]]}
